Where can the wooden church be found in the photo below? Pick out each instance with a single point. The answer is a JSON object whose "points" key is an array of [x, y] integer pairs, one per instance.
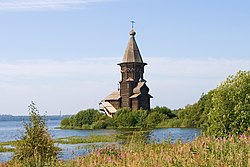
{"points": [[133, 92]]}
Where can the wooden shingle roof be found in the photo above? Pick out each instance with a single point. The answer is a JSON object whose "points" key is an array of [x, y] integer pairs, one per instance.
{"points": [[113, 96], [132, 53]]}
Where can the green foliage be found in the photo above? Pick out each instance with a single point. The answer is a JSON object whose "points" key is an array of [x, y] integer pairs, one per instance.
{"points": [[86, 117], [190, 115], [110, 122], [164, 110], [204, 104], [36, 146], [65, 122], [125, 118], [154, 118], [196, 115], [221, 112], [93, 119], [141, 116], [83, 119], [230, 113], [171, 123], [102, 124]]}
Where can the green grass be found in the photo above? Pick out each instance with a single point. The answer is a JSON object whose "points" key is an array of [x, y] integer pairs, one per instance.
{"points": [[4, 144], [75, 127], [88, 139]]}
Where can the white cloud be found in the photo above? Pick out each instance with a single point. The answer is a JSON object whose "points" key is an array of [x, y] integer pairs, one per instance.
{"points": [[70, 86], [24, 5]]}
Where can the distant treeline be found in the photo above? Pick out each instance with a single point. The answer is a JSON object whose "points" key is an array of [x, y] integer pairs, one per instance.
{"points": [[221, 112], [26, 118]]}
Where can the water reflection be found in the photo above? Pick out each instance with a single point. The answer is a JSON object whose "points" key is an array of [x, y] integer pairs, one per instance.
{"points": [[70, 151], [174, 134]]}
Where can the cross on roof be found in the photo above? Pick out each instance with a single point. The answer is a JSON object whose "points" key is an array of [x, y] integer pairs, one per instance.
{"points": [[132, 24]]}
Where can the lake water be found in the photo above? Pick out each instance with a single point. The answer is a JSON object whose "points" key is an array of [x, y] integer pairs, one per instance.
{"points": [[11, 130]]}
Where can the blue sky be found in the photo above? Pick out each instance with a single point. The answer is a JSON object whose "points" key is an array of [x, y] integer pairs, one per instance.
{"points": [[49, 47]]}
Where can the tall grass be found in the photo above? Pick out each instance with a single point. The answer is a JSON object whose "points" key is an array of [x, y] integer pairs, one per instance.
{"points": [[204, 151]]}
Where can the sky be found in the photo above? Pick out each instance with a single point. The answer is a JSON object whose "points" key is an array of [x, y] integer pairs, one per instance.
{"points": [[63, 54]]}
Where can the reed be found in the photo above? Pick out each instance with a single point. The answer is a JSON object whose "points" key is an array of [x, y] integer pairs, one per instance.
{"points": [[203, 151]]}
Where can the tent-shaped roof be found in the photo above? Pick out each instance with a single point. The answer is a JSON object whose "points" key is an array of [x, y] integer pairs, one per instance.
{"points": [[132, 53]]}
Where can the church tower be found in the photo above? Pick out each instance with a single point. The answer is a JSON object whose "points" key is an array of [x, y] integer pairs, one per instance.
{"points": [[133, 91]]}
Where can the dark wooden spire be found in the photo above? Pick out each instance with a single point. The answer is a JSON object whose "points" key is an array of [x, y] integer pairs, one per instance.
{"points": [[132, 53]]}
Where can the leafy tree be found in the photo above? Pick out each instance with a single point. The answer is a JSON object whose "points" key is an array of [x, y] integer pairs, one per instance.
{"points": [[125, 118], [99, 125], [86, 117], [230, 112], [141, 116], [36, 146], [155, 118], [65, 122], [164, 110], [205, 104], [190, 115], [110, 122]]}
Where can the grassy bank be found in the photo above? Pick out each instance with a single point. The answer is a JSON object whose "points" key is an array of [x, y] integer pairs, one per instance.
{"points": [[4, 146], [204, 151], [88, 139], [75, 127]]}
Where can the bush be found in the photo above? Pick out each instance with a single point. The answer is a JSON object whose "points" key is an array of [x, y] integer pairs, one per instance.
{"points": [[141, 116], [230, 114], [86, 117], [110, 122], [173, 123], [164, 110], [190, 115], [125, 118], [102, 124], [155, 118], [36, 146], [65, 122]]}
